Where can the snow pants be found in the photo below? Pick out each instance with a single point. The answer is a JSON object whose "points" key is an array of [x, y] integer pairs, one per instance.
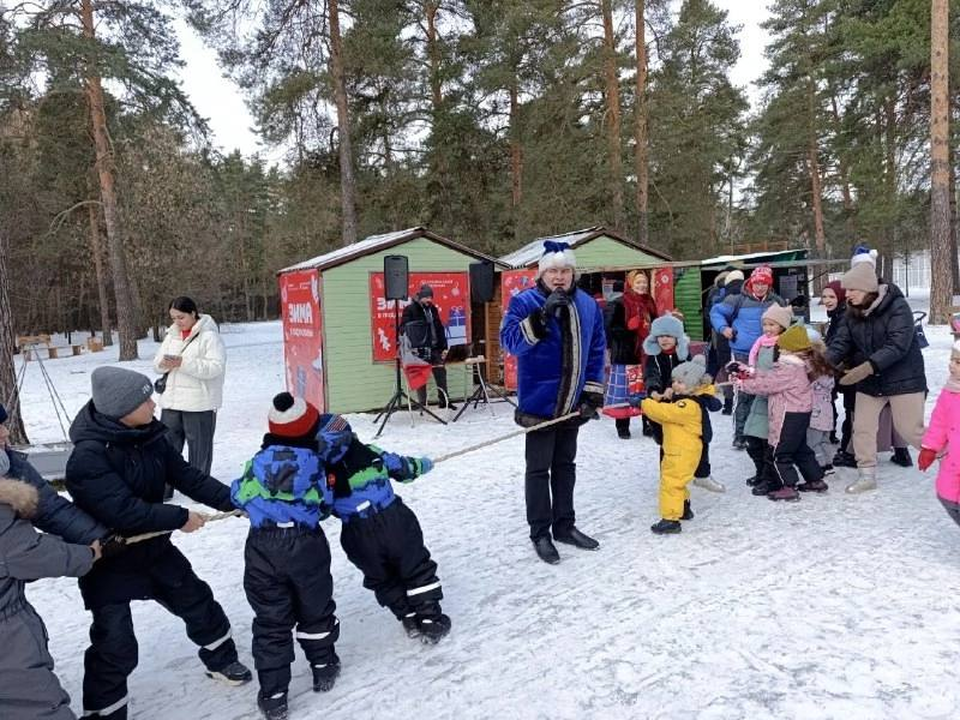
{"points": [[551, 474], [676, 471], [744, 403], [387, 546], [907, 414], [287, 582], [113, 650], [28, 688], [792, 452], [761, 453], [817, 441]]}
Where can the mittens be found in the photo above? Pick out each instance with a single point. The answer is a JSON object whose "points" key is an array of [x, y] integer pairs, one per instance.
{"points": [[426, 465], [927, 456], [855, 375], [590, 404]]}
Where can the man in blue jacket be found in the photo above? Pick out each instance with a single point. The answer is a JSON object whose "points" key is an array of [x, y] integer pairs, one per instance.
{"points": [[556, 332], [739, 319]]}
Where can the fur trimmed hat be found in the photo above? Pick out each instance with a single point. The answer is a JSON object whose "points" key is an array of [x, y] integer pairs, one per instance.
{"points": [[666, 325], [794, 339], [863, 277], [292, 417], [556, 255], [782, 316], [691, 373], [863, 254]]}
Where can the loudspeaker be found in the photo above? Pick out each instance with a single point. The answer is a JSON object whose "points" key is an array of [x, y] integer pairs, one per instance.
{"points": [[395, 278], [481, 281]]}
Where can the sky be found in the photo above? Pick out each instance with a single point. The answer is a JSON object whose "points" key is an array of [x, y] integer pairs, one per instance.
{"points": [[221, 101]]}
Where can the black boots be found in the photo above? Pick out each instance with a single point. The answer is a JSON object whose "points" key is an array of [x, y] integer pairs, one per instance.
{"points": [[666, 527], [844, 459], [325, 676], [236, 673], [901, 457], [687, 511], [546, 550], [273, 708], [577, 539]]}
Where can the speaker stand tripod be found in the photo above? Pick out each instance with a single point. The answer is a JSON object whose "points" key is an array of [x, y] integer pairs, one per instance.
{"points": [[399, 394], [481, 394]]}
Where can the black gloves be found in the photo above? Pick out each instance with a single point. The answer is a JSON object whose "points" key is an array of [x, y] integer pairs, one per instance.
{"points": [[112, 545], [556, 300], [590, 404]]}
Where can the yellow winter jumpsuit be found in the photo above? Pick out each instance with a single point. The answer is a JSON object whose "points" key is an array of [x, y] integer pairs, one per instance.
{"points": [[682, 423]]}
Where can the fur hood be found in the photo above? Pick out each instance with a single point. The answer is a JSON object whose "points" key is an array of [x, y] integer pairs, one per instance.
{"points": [[667, 325], [23, 498]]}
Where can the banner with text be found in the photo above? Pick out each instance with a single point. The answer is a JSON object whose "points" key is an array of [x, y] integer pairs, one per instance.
{"points": [[303, 335], [451, 297], [513, 282]]}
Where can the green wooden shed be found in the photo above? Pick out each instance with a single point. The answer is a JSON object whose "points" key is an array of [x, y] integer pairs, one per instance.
{"points": [[338, 330]]}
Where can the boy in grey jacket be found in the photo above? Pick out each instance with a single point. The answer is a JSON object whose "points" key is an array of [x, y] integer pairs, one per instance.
{"points": [[28, 688]]}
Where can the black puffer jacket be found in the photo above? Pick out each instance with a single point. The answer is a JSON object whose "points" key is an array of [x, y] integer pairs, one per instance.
{"points": [[621, 340], [117, 475], [884, 335]]}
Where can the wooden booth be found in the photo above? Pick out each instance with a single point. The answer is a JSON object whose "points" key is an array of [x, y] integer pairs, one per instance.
{"points": [[594, 247], [338, 328]]}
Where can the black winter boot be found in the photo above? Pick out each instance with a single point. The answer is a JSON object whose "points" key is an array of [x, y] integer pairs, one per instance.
{"points": [[236, 673], [325, 676], [901, 457], [546, 550], [666, 527], [273, 708], [410, 625], [687, 512], [577, 539], [844, 459]]}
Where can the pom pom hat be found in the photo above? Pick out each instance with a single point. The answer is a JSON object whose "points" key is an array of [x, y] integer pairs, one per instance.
{"points": [[863, 254], [556, 255], [292, 417]]}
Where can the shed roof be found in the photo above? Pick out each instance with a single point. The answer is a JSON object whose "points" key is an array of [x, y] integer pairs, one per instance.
{"points": [[722, 259], [531, 252], [376, 243]]}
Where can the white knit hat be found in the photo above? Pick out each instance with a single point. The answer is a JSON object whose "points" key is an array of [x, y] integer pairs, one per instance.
{"points": [[864, 254], [556, 255]]}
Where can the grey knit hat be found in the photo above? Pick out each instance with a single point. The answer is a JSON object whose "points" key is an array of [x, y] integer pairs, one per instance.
{"points": [[692, 372], [118, 392]]}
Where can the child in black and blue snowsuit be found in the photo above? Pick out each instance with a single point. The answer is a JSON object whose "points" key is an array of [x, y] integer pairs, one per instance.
{"points": [[381, 535], [287, 558]]}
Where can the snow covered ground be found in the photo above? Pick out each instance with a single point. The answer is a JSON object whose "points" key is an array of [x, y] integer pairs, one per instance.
{"points": [[833, 607]]}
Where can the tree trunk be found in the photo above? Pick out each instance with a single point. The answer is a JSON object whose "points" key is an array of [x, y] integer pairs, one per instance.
{"points": [[813, 163], [101, 280], [9, 394], [941, 295], [126, 309], [430, 8], [612, 99], [348, 183], [954, 257], [640, 129], [516, 155]]}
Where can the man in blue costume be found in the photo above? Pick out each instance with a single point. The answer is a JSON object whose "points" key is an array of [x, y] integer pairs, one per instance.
{"points": [[556, 332]]}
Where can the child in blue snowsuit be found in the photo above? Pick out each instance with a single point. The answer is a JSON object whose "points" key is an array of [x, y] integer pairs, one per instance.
{"points": [[287, 558], [381, 535]]}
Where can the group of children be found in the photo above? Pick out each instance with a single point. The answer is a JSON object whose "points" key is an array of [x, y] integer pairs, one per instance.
{"points": [[786, 430]]}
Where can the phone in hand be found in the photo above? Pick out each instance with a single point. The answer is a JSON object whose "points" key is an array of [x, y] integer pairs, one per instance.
{"points": [[170, 358]]}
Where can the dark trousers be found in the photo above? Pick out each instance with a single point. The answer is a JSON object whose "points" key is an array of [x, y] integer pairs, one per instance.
{"points": [[551, 471], [440, 377], [761, 453], [953, 510], [846, 429], [388, 549], [196, 429], [113, 650], [287, 582], [703, 469], [792, 452], [744, 403]]}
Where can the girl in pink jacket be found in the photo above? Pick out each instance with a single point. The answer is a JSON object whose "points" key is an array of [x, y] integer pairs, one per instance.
{"points": [[942, 434], [789, 390]]}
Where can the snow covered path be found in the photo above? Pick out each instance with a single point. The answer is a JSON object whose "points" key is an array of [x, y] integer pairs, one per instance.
{"points": [[833, 607]]}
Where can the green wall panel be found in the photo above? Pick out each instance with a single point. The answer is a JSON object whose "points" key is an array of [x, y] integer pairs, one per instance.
{"points": [[354, 382], [607, 251], [687, 297]]}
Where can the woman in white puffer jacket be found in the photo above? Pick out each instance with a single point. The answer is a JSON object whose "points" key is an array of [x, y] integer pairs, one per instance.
{"points": [[194, 359]]}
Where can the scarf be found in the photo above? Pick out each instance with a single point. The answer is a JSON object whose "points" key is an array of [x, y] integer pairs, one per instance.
{"points": [[764, 341]]}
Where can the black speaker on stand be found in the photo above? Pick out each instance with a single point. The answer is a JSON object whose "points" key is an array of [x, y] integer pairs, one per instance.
{"points": [[395, 284]]}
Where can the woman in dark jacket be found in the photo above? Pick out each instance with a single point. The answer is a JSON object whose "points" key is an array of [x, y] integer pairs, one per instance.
{"points": [[834, 300], [878, 334], [117, 472], [625, 367]]}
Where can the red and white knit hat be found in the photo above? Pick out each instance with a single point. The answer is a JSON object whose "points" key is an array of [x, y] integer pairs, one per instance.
{"points": [[292, 417]]}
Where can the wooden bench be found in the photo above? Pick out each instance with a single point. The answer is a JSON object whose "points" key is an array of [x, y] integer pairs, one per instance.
{"points": [[31, 344]]}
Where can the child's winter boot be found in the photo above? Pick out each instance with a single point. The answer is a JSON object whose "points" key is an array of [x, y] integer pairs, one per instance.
{"points": [[786, 493], [687, 511], [901, 457], [325, 675], [236, 673], [432, 623], [817, 486], [844, 459], [273, 707], [666, 527]]}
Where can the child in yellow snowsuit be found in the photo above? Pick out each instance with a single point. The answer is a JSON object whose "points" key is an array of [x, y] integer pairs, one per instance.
{"points": [[680, 412]]}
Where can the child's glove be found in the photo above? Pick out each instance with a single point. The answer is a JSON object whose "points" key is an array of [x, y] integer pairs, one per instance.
{"points": [[636, 399], [426, 465], [927, 456], [737, 370], [112, 545]]}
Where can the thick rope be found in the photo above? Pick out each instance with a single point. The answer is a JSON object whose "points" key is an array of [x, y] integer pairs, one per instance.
{"points": [[207, 518]]}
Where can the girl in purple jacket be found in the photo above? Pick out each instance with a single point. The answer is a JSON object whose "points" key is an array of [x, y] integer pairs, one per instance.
{"points": [[789, 389]]}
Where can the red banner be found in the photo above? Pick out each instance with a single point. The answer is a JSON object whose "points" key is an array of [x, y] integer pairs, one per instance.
{"points": [[451, 296], [303, 335], [513, 282], [663, 289]]}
